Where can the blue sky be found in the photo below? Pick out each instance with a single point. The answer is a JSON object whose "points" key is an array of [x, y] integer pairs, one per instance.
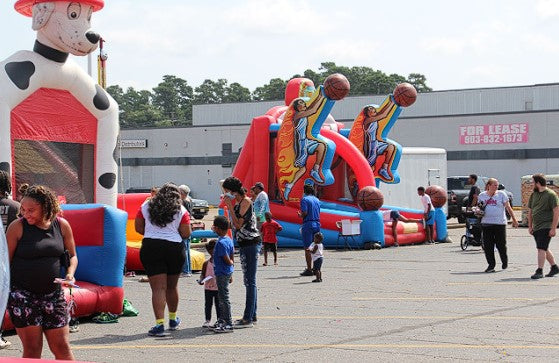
{"points": [[466, 44]]}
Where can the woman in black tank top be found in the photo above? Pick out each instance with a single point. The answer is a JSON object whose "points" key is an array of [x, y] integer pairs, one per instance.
{"points": [[35, 244], [249, 241]]}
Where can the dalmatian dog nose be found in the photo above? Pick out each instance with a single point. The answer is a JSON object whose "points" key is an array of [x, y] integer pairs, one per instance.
{"points": [[92, 37]]}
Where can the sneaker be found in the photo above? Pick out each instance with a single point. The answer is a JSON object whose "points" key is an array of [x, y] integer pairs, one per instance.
{"points": [[317, 280], [537, 275], [396, 244], [505, 265], [185, 274], [384, 173], [490, 269], [223, 328], [4, 343], [554, 271], [241, 324], [206, 324], [254, 321], [316, 176], [307, 273], [74, 325], [157, 331], [174, 324]]}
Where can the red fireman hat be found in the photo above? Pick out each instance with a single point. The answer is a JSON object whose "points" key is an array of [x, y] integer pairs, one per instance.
{"points": [[24, 6]]}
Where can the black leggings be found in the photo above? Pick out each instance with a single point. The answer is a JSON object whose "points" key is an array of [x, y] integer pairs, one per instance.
{"points": [[211, 298], [495, 235]]}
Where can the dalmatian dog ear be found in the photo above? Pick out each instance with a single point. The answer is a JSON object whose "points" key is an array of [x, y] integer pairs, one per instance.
{"points": [[41, 14]]}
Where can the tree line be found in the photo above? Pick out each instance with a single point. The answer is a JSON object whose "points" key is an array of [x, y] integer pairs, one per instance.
{"points": [[170, 102]]}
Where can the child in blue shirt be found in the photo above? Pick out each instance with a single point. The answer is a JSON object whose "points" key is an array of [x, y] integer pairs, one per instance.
{"points": [[223, 270]]}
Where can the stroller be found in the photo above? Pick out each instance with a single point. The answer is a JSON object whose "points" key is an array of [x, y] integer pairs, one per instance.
{"points": [[473, 236]]}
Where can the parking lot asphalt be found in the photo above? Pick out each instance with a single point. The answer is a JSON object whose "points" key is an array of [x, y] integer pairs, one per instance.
{"points": [[411, 303]]}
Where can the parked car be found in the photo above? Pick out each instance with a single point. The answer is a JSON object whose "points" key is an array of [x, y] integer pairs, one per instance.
{"points": [[200, 207], [458, 191]]}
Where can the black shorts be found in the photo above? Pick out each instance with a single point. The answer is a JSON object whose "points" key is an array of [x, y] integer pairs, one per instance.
{"points": [[317, 264], [394, 215], [270, 247], [160, 256], [49, 311], [542, 238]]}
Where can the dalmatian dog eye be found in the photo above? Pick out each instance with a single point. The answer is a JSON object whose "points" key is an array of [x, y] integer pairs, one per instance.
{"points": [[74, 11]]}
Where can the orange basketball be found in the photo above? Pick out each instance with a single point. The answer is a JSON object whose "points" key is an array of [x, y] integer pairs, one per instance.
{"points": [[438, 195], [369, 198], [405, 94], [336, 86]]}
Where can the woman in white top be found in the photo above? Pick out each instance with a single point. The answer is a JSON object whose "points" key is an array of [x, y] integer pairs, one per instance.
{"points": [[495, 202], [164, 222]]}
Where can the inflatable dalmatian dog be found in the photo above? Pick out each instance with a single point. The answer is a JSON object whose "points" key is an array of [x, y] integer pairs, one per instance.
{"points": [[42, 93]]}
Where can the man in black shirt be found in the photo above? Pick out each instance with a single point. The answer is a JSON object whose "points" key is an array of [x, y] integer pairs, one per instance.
{"points": [[474, 191], [472, 202]]}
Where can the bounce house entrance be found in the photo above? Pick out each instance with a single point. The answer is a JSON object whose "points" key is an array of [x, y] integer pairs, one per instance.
{"points": [[67, 168]]}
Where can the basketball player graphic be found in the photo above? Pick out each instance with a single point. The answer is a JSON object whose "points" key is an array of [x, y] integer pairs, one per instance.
{"points": [[374, 145], [368, 134], [305, 143]]}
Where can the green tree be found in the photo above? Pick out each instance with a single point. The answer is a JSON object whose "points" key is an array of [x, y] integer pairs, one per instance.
{"points": [[237, 93], [419, 81], [173, 98], [210, 91], [274, 90], [135, 107]]}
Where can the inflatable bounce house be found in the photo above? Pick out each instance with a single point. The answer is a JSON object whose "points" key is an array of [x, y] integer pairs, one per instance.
{"points": [[59, 128], [300, 143]]}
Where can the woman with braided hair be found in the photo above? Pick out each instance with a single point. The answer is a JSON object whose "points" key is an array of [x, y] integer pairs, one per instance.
{"points": [[36, 304]]}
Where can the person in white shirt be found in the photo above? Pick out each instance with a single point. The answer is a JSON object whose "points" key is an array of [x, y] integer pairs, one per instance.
{"points": [[317, 249], [428, 215], [494, 202], [261, 204]]}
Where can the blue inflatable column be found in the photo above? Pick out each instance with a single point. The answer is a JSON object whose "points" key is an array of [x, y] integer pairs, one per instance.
{"points": [[372, 227], [440, 224]]}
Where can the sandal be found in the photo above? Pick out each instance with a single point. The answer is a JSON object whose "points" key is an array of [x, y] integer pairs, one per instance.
{"points": [[105, 318]]}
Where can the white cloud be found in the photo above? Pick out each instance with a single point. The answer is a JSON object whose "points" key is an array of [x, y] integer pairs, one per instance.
{"points": [[443, 45], [275, 17], [547, 8]]}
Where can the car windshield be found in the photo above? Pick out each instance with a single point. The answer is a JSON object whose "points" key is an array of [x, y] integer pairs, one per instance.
{"points": [[457, 183]]}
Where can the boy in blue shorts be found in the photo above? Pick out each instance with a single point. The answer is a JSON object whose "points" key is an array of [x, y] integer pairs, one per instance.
{"points": [[310, 212], [223, 270], [428, 215]]}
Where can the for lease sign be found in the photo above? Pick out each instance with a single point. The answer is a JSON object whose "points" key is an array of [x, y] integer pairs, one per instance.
{"points": [[494, 134]]}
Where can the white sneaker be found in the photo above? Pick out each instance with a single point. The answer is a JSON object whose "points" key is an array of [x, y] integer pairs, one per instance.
{"points": [[4, 343], [206, 324]]}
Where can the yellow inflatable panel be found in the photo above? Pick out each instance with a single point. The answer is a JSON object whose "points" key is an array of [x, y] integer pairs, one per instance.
{"points": [[131, 234], [410, 227]]}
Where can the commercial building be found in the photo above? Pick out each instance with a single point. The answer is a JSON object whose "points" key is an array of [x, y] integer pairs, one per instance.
{"points": [[502, 132]]}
